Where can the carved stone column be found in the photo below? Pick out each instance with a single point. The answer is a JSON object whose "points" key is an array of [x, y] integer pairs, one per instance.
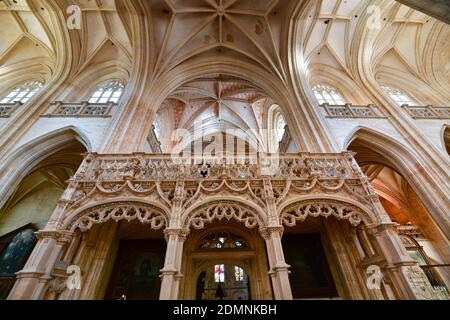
{"points": [[407, 277], [171, 273], [279, 269], [32, 280], [175, 236]]}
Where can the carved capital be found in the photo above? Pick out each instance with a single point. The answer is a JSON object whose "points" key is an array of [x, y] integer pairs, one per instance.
{"points": [[181, 234], [377, 229], [61, 236], [266, 232]]}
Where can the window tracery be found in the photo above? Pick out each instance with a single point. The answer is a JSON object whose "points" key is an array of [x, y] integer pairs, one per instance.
{"points": [[398, 96], [22, 93], [326, 94], [110, 91], [222, 240]]}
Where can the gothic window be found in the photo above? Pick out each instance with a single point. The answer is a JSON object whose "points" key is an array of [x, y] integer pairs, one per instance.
{"points": [[276, 126], [398, 96], [416, 252], [325, 94], [239, 274], [222, 240], [22, 93], [110, 91], [219, 273], [157, 126], [280, 125]]}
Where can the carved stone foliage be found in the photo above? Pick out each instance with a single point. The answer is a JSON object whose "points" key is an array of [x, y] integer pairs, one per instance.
{"points": [[322, 208], [419, 283], [156, 167], [177, 188], [129, 211], [222, 210]]}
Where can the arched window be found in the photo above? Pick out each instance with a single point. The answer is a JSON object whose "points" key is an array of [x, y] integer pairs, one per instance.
{"points": [[399, 97], [157, 126], [110, 91], [325, 94], [280, 125], [22, 93], [276, 126]]}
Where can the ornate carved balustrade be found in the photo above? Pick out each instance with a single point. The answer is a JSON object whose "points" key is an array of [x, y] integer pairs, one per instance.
{"points": [[79, 110], [349, 111], [427, 112], [148, 167], [264, 192], [253, 181], [6, 109]]}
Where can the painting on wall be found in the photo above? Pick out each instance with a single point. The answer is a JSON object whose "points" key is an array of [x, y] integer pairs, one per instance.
{"points": [[13, 257]]}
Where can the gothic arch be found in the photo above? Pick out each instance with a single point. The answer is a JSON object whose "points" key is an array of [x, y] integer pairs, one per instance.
{"points": [[339, 80], [240, 69], [116, 210], [300, 208], [21, 161], [87, 81], [401, 159], [220, 208]]}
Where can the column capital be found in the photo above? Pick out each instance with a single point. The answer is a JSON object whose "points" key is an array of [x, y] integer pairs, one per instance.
{"points": [[61, 236], [266, 232], [378, 228], [178, 232]]}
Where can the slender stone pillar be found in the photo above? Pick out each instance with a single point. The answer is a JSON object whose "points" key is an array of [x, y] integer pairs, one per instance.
{"points": [[32, 280], [279, 269], [175, 236], [171, 273], [407, 277]]}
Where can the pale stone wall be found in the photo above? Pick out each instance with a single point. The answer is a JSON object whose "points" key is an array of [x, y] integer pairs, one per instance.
{"points": [[36, 208]]}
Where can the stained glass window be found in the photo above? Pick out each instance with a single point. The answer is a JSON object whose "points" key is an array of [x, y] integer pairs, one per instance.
{"points": [[22, 93], [239, 274], [399, 97], [108, 92], [325, 94], [219, 273]]}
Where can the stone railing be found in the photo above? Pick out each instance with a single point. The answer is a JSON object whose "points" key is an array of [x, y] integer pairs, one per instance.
{"points": [[79, 110], [166, 167], [6, 109], [427, 112], [349, 111]]}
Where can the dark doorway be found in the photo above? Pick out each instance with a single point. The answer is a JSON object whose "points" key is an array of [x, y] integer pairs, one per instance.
{"points": [[310, 274], [136, 274]]}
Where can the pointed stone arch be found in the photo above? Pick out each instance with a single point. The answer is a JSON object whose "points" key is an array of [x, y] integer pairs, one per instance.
{"points": [[401, 159], [147, 213], [20, 162], [299, 209], [220, 208]]}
